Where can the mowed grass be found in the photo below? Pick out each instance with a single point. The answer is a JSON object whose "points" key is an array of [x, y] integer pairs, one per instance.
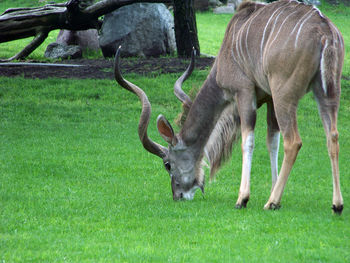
{"points": [[77, 186]]}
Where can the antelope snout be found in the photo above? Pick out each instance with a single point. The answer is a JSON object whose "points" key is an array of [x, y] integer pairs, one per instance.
{"points": [[178, 196], [183, 195]]}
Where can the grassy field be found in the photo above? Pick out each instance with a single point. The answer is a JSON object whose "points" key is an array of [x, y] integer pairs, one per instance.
{"points": [[77, 186]]}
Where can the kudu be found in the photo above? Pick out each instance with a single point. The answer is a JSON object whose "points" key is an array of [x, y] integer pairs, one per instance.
{"points": [[271, 54]]}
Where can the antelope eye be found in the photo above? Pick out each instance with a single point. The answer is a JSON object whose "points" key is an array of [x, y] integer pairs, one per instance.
{"points": [[167, 166]]}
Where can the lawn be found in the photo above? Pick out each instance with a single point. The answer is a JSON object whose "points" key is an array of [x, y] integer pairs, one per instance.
{"points": [[77, 186]]}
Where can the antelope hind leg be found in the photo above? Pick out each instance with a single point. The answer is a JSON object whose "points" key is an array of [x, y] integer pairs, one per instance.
{"points": [[272, 142], [328, 115], [292, 144]]}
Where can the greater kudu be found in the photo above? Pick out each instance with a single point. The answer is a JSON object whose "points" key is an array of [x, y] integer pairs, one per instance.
{"points": [[271, 54]]}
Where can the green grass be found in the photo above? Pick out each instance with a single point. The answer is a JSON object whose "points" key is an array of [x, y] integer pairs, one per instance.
{"points": [[5, 4], [211, 31], [77, 186]]}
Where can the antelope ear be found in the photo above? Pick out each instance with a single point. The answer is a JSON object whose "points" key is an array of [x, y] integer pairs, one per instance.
{"points": [[165, 130]]}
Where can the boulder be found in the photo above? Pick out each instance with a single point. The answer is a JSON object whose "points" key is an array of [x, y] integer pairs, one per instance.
{"points": [[143, 29], [230, 8], [215, 3], [226, 9], [56, 50], [86, 39], [235, 2], [204, 5], [312, 2]]}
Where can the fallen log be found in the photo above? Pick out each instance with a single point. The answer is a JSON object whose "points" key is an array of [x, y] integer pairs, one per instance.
{"points": [[18, 23]]}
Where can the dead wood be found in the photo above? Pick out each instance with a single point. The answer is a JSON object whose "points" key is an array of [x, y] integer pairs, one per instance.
{"points": [[18, 23]]}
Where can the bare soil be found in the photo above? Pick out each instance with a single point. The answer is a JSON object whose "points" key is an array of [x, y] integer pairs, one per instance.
{"points": [[100, 68]]}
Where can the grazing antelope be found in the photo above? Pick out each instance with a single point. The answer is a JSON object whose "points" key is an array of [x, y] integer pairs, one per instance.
{"points": [[271, 54]]}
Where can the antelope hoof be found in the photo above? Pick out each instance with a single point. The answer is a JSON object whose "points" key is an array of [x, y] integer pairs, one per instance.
{"points": [[243, 204], [272, 206], [337, 209]]}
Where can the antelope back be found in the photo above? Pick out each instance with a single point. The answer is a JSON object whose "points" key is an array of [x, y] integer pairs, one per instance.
{"points": [[262, 40]]}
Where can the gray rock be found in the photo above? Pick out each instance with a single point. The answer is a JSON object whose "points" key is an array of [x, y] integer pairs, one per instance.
{"points": [[56, 50], [227, 9], [235, 2], [214, 3], [204, 5], [230, 8], [312, 2], [142, 29], [86, 39]]}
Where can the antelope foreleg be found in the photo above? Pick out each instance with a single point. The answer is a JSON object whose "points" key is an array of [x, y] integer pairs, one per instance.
{"points": [[246, 102], [247, 152]]}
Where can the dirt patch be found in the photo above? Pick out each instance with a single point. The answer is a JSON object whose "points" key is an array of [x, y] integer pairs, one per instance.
{"points": [[100, 68]]}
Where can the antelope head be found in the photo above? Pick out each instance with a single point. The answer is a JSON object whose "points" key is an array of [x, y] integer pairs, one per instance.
{"points": [[179, 160]]}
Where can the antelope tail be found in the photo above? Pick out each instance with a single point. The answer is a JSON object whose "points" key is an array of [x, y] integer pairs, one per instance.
{"points": [[329, 65]]}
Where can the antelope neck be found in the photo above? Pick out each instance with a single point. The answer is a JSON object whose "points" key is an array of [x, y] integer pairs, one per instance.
{"points": [[203, 114]]}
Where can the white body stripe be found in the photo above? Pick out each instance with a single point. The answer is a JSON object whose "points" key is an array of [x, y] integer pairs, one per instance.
{"points": [[263, 36], [279, 30], [233, 39], [240, 44], [246, 40], [274, 24], [247, 32], [319, 12], [324, 83], [301, 26], [300, 21], [237, 50]]}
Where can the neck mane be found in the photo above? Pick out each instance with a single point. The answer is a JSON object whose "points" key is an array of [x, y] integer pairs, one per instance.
{"points": [[204, 113]]}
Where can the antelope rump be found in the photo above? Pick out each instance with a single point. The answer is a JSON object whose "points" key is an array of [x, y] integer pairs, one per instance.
{"points": [[271, 54]]}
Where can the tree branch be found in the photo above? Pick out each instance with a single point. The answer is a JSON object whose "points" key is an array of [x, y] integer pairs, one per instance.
{"points": [[17, 23], [106, 6], [36, 42]]}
